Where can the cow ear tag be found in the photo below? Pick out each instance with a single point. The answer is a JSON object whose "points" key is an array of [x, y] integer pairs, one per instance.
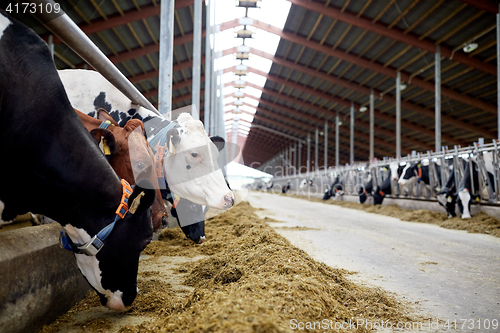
{"points": [[450, 199], [477, 199], [103, 145], [135, 204], [418, 165]]}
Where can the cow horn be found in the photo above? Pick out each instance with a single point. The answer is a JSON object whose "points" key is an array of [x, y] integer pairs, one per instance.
{"points": [[135, 204]]}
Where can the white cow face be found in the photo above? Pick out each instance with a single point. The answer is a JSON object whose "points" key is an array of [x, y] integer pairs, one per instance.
{"points": [[191, 166]]}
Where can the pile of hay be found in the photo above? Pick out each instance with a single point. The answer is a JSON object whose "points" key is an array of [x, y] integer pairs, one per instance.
{"points": [[250, 280], [479, 223]]}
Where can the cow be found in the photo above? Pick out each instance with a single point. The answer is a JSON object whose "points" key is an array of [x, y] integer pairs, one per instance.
{"points": [[287, 187], [191, 214], [465, 195], [190, 164], [365, 191], [447, 196], [383, 189], [305, 182], [45, 147], [128, 152], [336, 188]]}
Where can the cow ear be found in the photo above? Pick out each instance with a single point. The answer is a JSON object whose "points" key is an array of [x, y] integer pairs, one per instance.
{"points": [[103, 115], [105, 139], [219, 142], [142, 197]]}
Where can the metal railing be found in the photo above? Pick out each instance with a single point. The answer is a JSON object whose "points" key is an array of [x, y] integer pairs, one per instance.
{"points": [[450, 160]]}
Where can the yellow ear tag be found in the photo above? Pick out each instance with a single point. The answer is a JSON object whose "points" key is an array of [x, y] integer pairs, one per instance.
{"points": [[106, 150], [418, 165], [450, 199], [477, 199]]}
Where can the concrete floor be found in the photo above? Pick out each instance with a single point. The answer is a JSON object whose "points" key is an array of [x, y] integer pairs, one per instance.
{"points": [[452, 274]]}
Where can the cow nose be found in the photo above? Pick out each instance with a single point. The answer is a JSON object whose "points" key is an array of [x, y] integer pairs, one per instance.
{"points": [[228, 201]]}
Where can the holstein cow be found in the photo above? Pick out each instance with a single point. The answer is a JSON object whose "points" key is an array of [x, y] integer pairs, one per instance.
{"points": [[465, 194], [336, 188], [45, 147], [118, 145], [447, 196], [305, 182], [365, 191], [190, 163], [416, 172], [190, 216], [383, 189]]}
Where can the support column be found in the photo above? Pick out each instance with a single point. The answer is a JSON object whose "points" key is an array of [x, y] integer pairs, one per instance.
{"points": [[351, 160], [51, 46], [437, 126], [498, 73], [325, 159], [166, 58], [300, 157], [372, 126], [398, 116], [308, 153], [316, 141], [295, 160], [196, 59], [208, 67], [337, 154]]}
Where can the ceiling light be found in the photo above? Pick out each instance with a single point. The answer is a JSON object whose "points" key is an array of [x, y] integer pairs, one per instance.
{"points": [[363, 109], [470, 47], [403, 86], [340, 122]]}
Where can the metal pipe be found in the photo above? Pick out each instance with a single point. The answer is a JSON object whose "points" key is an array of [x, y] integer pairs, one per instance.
{"points": [[208, 67], [372, 126], [352, 135], [316, 141], [325, 159], [398, 116], [437, 126], [63, 27], [300, 156], [308, 153], [196, 58], [166, 58], [498, 74], [290, 159], [337, 127], [295, 159]]}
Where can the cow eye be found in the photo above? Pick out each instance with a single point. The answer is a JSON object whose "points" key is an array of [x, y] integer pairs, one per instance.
{"points": [[140, 166], [194, 154]]}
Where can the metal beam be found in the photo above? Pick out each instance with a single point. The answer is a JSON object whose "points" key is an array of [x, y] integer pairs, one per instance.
{"points": [[398, 116], [483, 4], [395, 33], [372, 126], [386, 97], [197, 28], [351, 155], [437, 80], [374, 66], [166, 59]]}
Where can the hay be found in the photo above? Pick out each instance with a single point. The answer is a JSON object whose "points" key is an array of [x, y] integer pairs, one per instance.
{"points": [[250, 280], [479, 223]]}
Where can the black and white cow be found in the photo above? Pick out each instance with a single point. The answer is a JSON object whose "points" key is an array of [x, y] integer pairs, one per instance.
{"points": [[465, 195], [190, 164], [417, 172], [287, 187], [447, 195], [44, 146], [364, 191], [337, 188]]}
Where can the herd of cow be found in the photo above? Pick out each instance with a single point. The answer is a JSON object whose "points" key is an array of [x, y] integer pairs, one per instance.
{"points": [[475, 173], [97, 164]]}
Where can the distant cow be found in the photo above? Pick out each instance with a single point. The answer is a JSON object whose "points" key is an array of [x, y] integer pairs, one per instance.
{"points": [[118, 145], [465, 195], [447, 196], [365, 191], [285, 188], [337, 188], [305, 182], [416, 172], [46, 150]]}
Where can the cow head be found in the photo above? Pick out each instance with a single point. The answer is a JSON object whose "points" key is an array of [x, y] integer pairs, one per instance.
{"points": [[191, 166], [378, 196], [113, 271], [188, 213], [131, 157], [409, 174], [327, 194], [447, 199]]}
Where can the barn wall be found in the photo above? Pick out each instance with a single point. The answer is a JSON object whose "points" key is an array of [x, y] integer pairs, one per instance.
{"points": [[40, 281]]}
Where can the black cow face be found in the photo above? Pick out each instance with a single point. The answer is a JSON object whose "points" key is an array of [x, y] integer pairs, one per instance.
{"points": [[378, 196], [447, 199], [118, 260], [327, 195], [191, 218]]}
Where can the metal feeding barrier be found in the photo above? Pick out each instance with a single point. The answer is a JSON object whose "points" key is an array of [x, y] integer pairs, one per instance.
{"points": [[441, 165]]}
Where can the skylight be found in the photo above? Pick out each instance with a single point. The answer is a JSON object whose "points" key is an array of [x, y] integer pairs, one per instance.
{"points": [[274, 12]]}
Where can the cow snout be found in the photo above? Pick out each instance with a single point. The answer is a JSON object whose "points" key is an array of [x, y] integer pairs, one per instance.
{"points": [[228, 201]]}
